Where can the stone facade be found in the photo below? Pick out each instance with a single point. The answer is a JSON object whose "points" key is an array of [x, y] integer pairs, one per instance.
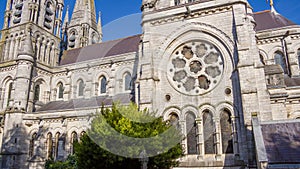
{"points": [[202, 62]]}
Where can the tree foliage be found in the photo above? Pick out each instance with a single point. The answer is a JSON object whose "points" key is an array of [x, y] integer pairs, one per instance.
{"points": [[138, 131]]}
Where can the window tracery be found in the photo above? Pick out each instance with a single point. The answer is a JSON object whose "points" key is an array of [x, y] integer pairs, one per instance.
{"points": [[280, 60], [195, 67], [103, 85]]}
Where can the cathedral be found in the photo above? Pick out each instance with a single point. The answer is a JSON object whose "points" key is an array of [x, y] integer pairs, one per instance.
{"points": [[227, 76]]}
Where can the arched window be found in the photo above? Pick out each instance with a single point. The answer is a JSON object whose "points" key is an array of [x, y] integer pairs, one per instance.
{"points": [[298, 54], [82, 133], [37, 92], [74, 138], [174, 120], [60, 90], [80, 87], [208, 132], [32, 145], [103, 83], [280, 60], [9, 93], [226, 132], [49, 146], [56, 144], [262, 60], [127, 81], [191, 131]]}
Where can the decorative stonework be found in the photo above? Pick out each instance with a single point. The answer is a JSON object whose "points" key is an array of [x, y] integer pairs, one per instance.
{"points": [[192, 15], [195, 68]]}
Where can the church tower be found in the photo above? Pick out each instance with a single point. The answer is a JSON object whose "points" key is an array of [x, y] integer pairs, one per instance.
{"points": [[82, 29], [195, 67], [15, 156], [45, 18]]}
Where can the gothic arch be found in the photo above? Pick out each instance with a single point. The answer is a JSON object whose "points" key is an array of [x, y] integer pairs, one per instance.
{"points": [[101, 73], [170, 110], [189, 108], [222, 106], [77, 77], [61, 79], [295, 115], [71, 130], [264, 56], [198, 27], [208, 107], [120, 73], [58, 130], [32, 131], [6, 79], [272, 51]]}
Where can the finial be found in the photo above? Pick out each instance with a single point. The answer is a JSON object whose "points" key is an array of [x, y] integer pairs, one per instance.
{"points": [[66, 20], [272, 7]]}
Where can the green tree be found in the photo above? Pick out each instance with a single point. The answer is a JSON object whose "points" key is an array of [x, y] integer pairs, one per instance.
{"points": [[69, 163], [137, 131], [119, 135]]}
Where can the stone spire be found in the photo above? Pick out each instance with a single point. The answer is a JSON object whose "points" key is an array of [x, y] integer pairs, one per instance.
{"points": [[84, 12], [99, 26], [66, 20]]}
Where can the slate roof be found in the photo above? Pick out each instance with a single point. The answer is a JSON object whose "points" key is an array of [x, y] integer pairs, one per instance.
{"points": [[93, 102], [282, 142], [270, 20], [291, 81], [102, 50]]}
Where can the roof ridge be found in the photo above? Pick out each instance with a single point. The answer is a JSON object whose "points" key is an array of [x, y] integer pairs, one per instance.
{"points": [[264, 11]]}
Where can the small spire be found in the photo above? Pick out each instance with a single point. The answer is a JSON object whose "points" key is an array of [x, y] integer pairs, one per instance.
{"points": [[66, 20], [99, 25], [26, 47]]}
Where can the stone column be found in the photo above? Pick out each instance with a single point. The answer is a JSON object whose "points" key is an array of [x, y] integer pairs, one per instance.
{"points": [[200, 138], [42, 51], [235, 136], [16, 47], [6, 51], [47, 52], [12, 49], [183, 130], [217, 138], [38, 45]]}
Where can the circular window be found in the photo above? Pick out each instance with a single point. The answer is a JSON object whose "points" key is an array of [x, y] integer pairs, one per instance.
{"points": [[195, 67]]}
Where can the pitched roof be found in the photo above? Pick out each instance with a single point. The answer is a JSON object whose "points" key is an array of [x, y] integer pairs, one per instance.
{"points": [[291, 81], [282, 142], [102, 50], [93, 102], [270, 20]]}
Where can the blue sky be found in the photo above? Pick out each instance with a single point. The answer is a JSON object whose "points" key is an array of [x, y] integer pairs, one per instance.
{"points": [[113, 10]]}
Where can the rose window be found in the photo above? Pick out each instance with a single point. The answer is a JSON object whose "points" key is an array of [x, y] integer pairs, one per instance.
{"points": [[195, 67]]}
